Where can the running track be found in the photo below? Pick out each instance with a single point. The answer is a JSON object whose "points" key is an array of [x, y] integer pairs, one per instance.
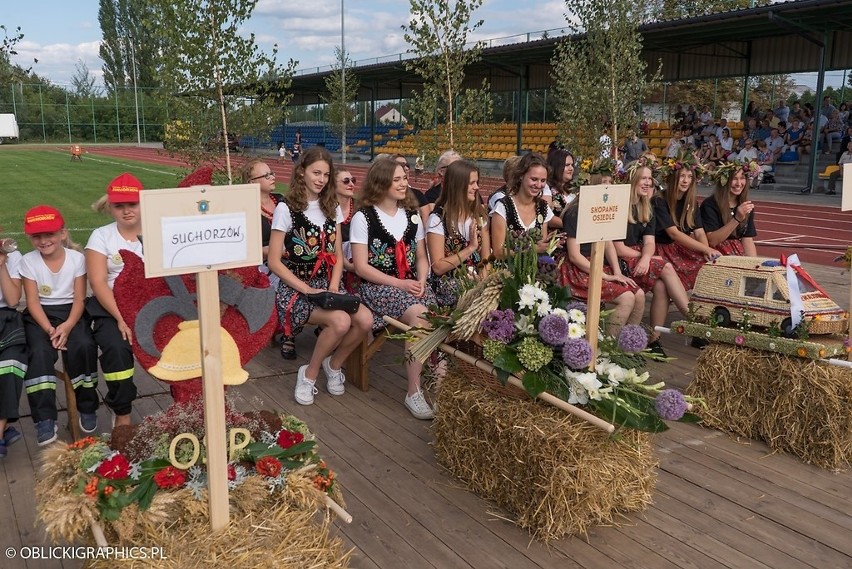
{"points": [[816, 233]]}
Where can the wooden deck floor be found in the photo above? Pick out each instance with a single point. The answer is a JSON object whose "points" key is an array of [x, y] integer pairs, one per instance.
{"points": [[719, 502]]}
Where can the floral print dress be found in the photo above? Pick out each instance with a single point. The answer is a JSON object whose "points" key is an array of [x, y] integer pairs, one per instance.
{"points": [[446, 287]]}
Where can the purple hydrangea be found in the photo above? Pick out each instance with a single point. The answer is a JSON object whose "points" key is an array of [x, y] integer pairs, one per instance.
{"points": [[576, 305], [546, 261], [553, 329], [499, 325], [577, 353], [632, 338], [670, 405]]}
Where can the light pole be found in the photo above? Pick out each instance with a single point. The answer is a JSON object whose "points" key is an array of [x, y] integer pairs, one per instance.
{"points": [[344, 105], [135, 93]]}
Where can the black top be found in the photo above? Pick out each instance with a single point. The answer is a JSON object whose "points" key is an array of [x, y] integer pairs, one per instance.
{"points": [[637, 231], [569, 227], [266, 222], [711, 219], [663, 220], [429, 196]]}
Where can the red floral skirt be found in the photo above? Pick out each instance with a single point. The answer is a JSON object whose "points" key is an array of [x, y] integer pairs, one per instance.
{"points": [[685, 261], [731, 247], [655, 268], [577, 281]]}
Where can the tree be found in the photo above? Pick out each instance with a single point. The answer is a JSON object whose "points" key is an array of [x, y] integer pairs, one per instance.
{"points": [[7, 49], [599, 78], [677, 9], [437, 34], [83, 81], [342, 94], [226, 84], [127, 50]]}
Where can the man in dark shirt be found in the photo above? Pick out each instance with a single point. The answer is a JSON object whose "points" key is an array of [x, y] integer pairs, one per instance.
{"points": [[430, 196]]}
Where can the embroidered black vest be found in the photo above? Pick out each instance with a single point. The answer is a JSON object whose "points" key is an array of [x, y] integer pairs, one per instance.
{"points": [[303, 243], [454, 242], [560, 202], [513, 220], [381, 244]]}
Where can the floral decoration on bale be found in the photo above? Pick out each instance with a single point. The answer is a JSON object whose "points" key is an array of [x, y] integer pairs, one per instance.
{"points": [[127, 481], [529, 327]]}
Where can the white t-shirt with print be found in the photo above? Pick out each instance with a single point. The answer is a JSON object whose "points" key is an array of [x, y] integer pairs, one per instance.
{"points": [[54, 288], [395, 225], [108, 241], [436, 225], [13, 265], [500, 209]]}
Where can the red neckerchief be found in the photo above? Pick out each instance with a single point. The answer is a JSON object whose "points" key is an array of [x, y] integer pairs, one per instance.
{"points": [[324, 257], [403, 269]]}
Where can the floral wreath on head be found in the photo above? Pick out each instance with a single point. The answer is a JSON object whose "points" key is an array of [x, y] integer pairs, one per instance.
{"points": [[684, 159], [726, 170], [645, 161], [604, 166]]}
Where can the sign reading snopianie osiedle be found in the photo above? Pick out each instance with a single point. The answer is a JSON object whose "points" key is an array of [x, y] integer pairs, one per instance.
{"points": [[603, 213], [201, 228]]}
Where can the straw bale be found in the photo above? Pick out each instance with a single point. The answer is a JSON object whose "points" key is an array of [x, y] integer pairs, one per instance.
{"points": [[795, 405], [554, 473]]}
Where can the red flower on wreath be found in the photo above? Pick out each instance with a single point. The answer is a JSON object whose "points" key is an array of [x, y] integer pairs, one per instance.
{"points": [[232, 473], [170, 477], [115, 468], [268, 466], [286, 438]]}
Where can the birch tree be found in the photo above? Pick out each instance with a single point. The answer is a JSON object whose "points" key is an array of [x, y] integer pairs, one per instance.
{"points": [[340, 97], [599, 77], [224, 81], [437, 34]]}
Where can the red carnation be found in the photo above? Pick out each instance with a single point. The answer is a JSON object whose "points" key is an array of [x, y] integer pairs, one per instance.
{"points": [[115, 468], [232, 472], [268, 466], [286, 438], [170, 477]]}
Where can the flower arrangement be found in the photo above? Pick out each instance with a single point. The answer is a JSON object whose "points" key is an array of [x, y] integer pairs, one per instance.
{"points": [[724, 171], [119, 472], [532, 329], [684, 159], [604, 166]]}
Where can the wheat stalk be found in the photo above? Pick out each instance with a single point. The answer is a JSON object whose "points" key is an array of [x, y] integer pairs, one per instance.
{"points": [[486, 301]]}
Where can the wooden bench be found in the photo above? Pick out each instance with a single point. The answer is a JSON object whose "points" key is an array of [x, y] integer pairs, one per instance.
{"points": [[357, 372]]}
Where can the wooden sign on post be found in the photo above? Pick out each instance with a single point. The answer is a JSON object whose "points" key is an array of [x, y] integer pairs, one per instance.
{"points": [[846, 205], [201, 230], [602, 216]]}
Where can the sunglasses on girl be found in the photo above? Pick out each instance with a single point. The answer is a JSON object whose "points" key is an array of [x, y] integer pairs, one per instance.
{"points": [[347, 181]]}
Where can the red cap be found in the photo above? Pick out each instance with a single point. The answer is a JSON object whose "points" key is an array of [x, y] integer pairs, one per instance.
{"points": [[43, 219], [124, 189]]}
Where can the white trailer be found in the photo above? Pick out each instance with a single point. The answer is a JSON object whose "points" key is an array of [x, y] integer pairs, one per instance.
{"points": [[8, 127]]}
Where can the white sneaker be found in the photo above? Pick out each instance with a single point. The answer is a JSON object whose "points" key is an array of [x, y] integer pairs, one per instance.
{"points": [[418, 406], [305, 388], [335, 378]]}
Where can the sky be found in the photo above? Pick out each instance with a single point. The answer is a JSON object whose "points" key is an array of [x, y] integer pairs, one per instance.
{"points": [[61, 33]]}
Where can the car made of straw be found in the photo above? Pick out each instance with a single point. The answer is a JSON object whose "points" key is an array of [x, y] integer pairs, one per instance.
{"points": [[731, 289]]}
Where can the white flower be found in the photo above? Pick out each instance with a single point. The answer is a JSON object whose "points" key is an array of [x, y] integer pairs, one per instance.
{"points": [[561, 312], [524, 324], [544, 308], [527, 296], [591, 384], [577, 316], [576, 331]]}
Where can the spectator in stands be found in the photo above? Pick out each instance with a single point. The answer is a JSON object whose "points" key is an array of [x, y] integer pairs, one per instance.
{"points": [[748, 152], [704, 155], [691, 115], [728, 215], [633, 148], [457, 231], [796, 110], [847, 136], [522, 210], [717, 153], [726, 142], [706, 117], [770, 120], [389, 253], [793, 136], [752, 111], [774, 142], [782, 111], [721, 124], [675, 143], [751, 130], [679, 114], [845, 158], [687, 139], [827, 108], [844, 112], [649, 271], [833, 130], [428, 198], [763, 131], [766, 160]]}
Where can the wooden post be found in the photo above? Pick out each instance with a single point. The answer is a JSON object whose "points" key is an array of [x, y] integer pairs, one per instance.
{"points": [[849, 320], [214, 397], [593, 306]]}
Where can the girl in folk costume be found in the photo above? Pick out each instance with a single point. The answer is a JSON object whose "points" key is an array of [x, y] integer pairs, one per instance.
{"points": [[678, 231], [522, 210], [389, 253], [728, 215], [13, 348], [561, 165], [54, 278], [457, 233], [306, 232], [650, 272], [103, 265], [344, 189]]}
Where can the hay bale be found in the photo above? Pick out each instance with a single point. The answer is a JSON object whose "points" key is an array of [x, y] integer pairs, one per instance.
{"points": [[794, 405], [555, 473]]}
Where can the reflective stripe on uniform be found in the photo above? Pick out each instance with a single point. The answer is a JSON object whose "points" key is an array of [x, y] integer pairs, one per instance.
{"points": [[119, 375], [13, 366], [40, 383]]}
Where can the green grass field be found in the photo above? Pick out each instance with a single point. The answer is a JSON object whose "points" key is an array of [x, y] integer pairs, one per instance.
{"points": [[30, 177]]}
